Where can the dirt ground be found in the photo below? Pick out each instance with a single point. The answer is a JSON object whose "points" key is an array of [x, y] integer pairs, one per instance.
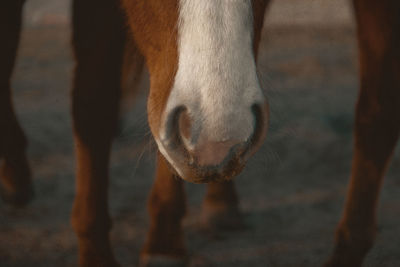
{"points": [[291, 192]]}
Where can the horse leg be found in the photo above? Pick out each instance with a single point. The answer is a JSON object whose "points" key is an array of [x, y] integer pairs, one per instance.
{"points": [[220, 208], [164, 244], [377, 127], [15, 176], [98, 40]]}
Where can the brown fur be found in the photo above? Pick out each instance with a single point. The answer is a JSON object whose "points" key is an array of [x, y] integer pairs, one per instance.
{"points": [[153, 25], [14, 171], [98, 45], [377, 126]]}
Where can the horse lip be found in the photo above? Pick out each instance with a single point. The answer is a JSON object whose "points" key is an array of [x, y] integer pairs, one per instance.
{"points": [[230, 166], [199, 174]]}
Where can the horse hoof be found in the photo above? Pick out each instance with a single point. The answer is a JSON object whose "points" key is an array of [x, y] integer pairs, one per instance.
{"points": [[16, 187], [149, 260], [328, 264], [18, 198], [343, 261], [333, 263]]}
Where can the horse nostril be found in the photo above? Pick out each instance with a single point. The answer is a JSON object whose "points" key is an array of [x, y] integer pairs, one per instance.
{"points": [[185, 125], [195, 149], [260, 114], [172, 137]]}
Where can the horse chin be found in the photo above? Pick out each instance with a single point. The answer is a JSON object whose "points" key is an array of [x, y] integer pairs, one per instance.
{"points": [[208, 174]]}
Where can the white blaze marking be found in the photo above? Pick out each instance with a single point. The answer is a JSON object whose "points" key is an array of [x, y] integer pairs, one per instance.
{"points": [[216, 78]]}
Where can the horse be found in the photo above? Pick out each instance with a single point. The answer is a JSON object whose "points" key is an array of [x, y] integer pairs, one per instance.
{"points": [[206, 111]]}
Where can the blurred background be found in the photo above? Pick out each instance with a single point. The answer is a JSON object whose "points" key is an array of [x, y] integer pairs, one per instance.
{"points": [[291, 192]]}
